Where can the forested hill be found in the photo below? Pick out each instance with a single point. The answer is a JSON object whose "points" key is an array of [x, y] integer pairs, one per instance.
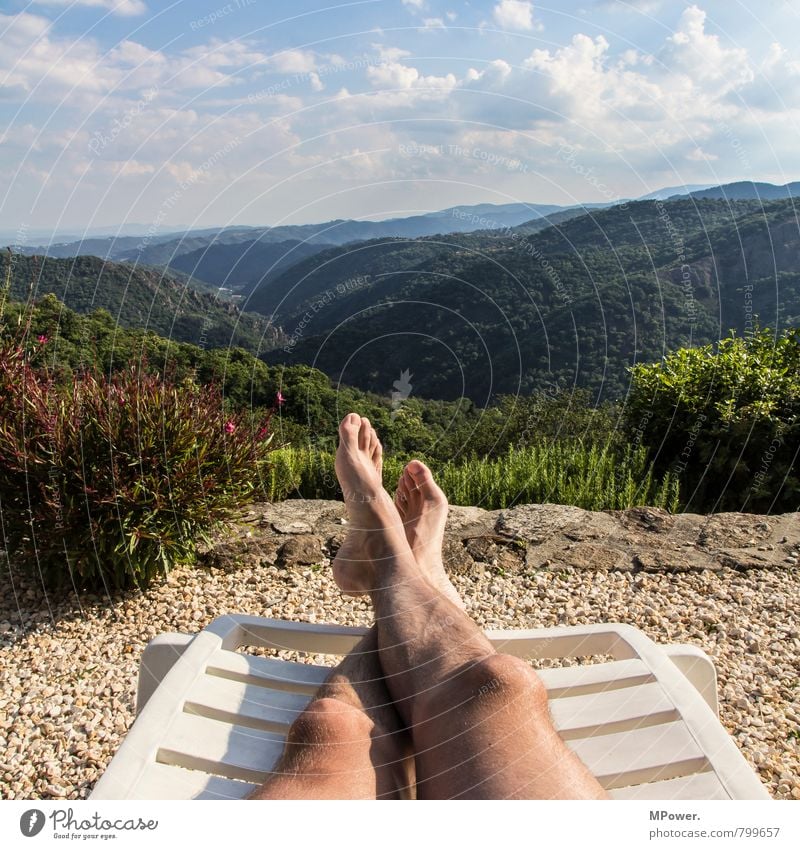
{"points": [[574, 304], [140, 298]]}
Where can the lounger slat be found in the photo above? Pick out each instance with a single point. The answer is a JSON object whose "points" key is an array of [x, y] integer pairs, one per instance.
{"points": [[702, 785], [656, 753], [219, 748], [306, 677], [596, 677], [278, 674], [244, 704], [162, 781], [612, 711]]}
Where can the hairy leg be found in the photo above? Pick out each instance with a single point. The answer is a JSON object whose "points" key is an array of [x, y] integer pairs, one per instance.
{"points": [[349, 742], [479, 721]]}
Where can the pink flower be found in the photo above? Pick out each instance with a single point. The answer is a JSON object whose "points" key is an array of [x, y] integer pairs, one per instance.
{"points": [[279, 399], [42, 339], [230, 427], [263, 432]]}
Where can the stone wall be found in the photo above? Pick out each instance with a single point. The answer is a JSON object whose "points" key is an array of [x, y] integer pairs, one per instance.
{"points": [[529, 537]]}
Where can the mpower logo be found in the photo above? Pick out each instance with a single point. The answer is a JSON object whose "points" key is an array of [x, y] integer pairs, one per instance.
{"points": [[32, 822]]}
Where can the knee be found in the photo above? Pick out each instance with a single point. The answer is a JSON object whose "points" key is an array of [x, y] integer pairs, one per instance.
{"points": [[329, 721], [505, 678], [491, 683]]}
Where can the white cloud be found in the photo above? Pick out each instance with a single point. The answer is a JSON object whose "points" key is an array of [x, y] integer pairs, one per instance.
{"points": [[414, 4], [132, 168], [646, 7], [691, 50], [390, 54], [36, 63], [293, 62], [697, 154], [395, 75], [514, 14], [30, 57], [124, 8], [431, 24]]}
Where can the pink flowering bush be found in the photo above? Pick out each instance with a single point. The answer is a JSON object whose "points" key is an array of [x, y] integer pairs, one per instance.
{"points": [[111, 481]]}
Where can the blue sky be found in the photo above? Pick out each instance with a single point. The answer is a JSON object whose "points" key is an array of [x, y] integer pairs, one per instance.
{"points": [[256, 112]]}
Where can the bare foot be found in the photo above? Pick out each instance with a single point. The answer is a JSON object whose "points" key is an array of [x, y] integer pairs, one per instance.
{"points": [[376, 537], [423, 507]]}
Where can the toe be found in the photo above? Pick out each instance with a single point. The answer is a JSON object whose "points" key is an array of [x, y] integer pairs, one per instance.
{"points": [[423, 481], [376, 450], [419, 473], [409, 484], [402, 488], [401, 502], [365, 434], [349, 429]]}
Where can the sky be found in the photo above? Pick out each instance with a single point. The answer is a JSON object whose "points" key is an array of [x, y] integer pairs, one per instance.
{"points": [[198, 113]]}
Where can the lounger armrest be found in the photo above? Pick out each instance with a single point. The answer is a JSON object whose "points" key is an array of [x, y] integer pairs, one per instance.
{"points": [[158, 657], [698, 667]]}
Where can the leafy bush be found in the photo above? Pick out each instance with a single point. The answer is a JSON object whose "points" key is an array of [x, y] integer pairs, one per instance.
{"points": [[110, 481], [727, 421]]}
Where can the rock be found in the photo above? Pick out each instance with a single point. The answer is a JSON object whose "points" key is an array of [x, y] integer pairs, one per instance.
{"points": [[473, 521], [741, 559], [496, 552], [457, 559], [653, 520], [334, 543], [537, 522], [733, 530], [673, 560], [593, 556], [301, 549], [295, 527]]}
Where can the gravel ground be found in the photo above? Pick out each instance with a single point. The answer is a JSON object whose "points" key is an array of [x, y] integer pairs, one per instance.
{"points": [[68, 671]]}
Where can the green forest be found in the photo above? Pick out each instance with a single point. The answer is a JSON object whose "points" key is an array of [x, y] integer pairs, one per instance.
{"points": [[512, 312]]}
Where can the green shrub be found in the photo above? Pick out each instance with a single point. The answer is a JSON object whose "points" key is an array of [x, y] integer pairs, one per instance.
{"points": [[592, 477], [725, 421], [109, 482]]}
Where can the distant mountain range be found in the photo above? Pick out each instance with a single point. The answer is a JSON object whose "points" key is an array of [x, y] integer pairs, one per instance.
{"points": [[163, 248], [242, 258], [749, 191]]}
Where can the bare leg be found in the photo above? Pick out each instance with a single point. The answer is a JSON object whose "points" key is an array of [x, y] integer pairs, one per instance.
{"points": [[349, 742], [479, 721]]}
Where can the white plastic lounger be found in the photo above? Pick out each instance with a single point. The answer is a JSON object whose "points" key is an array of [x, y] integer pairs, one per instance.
{"points": [[212, 720]]}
